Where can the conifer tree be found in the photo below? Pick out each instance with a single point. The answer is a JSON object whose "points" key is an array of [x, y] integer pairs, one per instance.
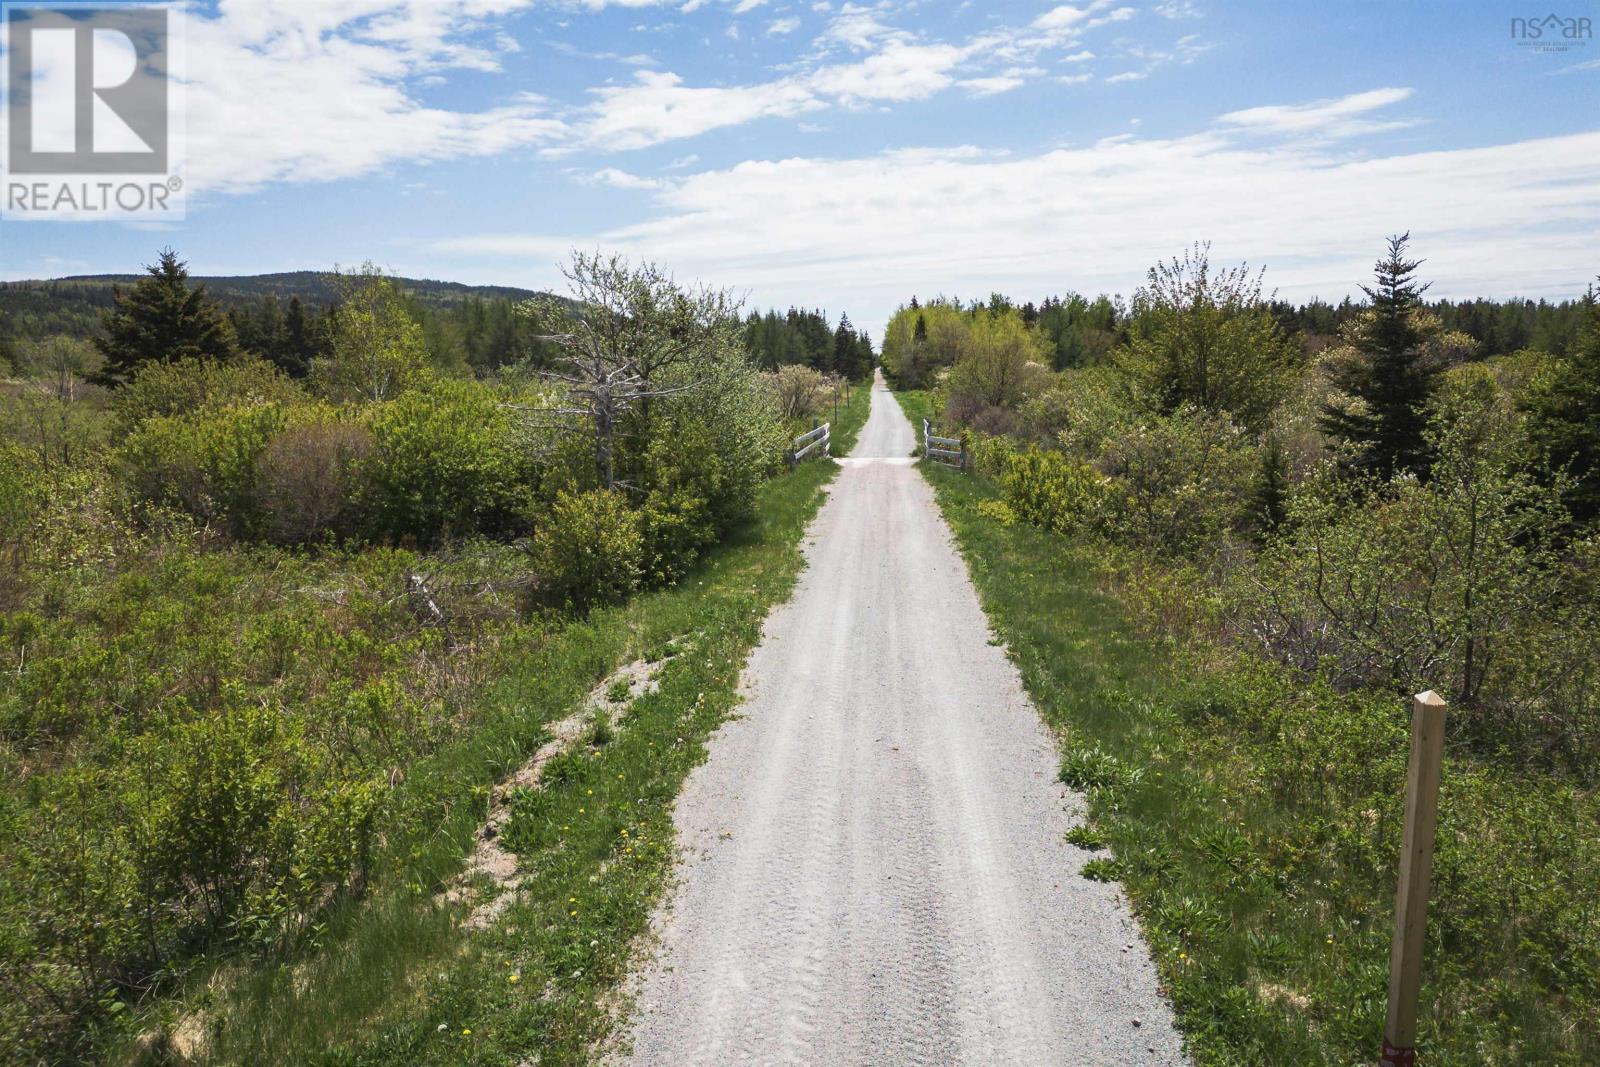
{"points": [[299, 341], [1390, 372], [1566, 415], [162, 319]]}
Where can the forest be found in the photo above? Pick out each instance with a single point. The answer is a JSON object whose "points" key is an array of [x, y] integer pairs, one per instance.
{"points": [[1305, 514], [260, 561]]}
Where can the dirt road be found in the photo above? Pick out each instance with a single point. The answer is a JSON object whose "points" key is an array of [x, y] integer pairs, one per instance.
{"points": [[874, 868]]}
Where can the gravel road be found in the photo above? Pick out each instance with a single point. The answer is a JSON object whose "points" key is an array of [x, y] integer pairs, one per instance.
{"points": [[874, 871]]}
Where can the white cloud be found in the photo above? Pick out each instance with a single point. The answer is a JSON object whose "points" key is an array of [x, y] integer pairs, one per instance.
{"points": [[855, 234], [779, 27], [1340, 117], [314, 90], [621, 179]]}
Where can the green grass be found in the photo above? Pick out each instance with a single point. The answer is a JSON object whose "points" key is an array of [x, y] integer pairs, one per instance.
{"points": [[1254, 818], [918, 405], [394, 980], [852, 416]]}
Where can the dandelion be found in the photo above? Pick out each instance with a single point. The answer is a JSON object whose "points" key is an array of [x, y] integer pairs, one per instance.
{"points": [[513, 978], [466, 1033]]}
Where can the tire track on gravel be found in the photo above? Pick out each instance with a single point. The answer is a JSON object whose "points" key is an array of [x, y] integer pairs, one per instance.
{"points": [[873, 869]]}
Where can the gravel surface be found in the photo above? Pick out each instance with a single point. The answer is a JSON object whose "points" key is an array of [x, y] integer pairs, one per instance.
{"points": [[873, 865]]}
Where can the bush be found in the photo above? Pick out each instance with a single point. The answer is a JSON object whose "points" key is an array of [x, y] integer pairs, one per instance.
{"points": [[204, 463], [444, 462], [308, 480], [1181, 482], [590, 550], [18, 489], [799, 392], [164, 390], [1052, 490], [1450, 584]]}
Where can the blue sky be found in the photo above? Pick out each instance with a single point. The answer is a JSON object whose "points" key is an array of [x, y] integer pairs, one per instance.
{"points": [[847, 155]]}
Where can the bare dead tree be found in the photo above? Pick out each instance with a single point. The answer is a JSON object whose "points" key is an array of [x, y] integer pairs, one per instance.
{"points": [[628, 334]]}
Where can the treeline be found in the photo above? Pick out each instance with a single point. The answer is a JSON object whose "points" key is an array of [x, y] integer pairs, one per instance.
{"points": [[237, 604], [804, 338], [286, 319], [1078, 331]]}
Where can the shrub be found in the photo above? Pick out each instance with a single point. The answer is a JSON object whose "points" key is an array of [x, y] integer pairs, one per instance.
{"points": [[798, 391], [715, 445], [204, 463], [308, 480], [18, 489], [589, 551], [1450, 584], [1053, 491], [1181, 482], [163, 390], [443, 461]]}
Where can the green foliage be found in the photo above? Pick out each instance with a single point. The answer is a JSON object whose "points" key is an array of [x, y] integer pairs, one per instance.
{"points": [[1086, 837], [1092, 767], [375, 346], [309, 478], [201, 744], [1180, 483], [589, 550], [1444, 584], [204, 463], [921, 341], [1566, 415], [1258, 847], [1052, 490], [1387, 371], [444, 461], [162, 319], [185, 386], [1101, 870], [1000, 365], [1207, 340]]}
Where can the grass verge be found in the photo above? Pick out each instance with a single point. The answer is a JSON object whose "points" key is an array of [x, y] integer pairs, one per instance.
{"points": [[1254, 819], [852, 416], [394, 980]]}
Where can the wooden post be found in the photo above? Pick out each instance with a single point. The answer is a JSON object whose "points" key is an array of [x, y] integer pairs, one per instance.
{"points": [[1416, 870]]}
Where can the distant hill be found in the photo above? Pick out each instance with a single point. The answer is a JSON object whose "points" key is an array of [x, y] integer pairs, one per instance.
{"points": [[311, 286], [73, 305]]}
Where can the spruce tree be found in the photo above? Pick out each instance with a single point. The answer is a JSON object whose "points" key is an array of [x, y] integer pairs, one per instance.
{"points": [[1566, 415], [162, 319], [1391, 372], [299, 341]]}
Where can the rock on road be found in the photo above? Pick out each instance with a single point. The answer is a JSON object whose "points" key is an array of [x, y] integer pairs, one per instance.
{"points": [[874, 870]]}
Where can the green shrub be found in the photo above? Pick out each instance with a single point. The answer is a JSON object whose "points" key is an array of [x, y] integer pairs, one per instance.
{"points": [[1181, 482], [164, 390], [204, 463], [444, 461], [1053, 491], [589, 551], [19, 484]]}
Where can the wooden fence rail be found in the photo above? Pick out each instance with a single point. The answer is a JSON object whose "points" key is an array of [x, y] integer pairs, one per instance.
{"points": [[807, 443], [951, 451]]}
